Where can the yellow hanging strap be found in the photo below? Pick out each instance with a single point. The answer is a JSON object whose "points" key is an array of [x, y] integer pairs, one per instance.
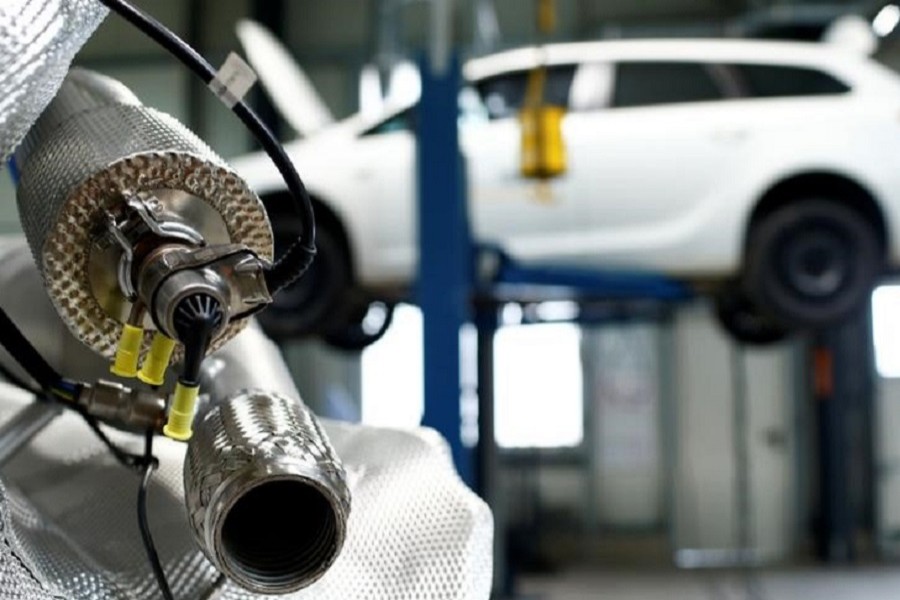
{"points": [[153, 369], [181, 412], [125, 363], [543, 152], [546, 16]]}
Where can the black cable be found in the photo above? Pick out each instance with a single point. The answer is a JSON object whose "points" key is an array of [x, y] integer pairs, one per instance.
{"points": [[196, 318], [296, 260], [146, 536], [127, 459], [24, 353]]}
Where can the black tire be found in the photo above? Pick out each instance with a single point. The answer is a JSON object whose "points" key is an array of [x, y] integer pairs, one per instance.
{"points": [[365, 324], [743, 321], [812, 263], [309, 305]]}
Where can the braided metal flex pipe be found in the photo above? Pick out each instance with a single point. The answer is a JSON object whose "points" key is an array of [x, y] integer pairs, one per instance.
{"points": [[266, 495]]}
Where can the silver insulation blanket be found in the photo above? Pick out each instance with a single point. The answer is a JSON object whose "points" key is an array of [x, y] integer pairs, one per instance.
{"points": [[93, 147], [68, 527], [38, 39]]}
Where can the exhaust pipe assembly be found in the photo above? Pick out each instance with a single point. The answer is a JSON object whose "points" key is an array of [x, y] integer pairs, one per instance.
{"points": [[267, 498]]}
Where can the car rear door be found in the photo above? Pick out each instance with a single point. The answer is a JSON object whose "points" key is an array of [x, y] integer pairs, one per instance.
{"points": [[505, 207], [649, 145]]}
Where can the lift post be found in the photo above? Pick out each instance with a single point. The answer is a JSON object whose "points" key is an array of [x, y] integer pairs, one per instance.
{"points": [[445, 254]]}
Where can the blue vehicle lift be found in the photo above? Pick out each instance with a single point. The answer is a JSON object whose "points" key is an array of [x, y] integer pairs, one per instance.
{"points": [[448, 291], [451, 293]]}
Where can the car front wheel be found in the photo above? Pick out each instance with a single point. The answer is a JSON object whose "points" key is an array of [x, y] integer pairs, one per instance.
{"points": [[743, 321], [363, 324], [308, 305], [811, 263]]}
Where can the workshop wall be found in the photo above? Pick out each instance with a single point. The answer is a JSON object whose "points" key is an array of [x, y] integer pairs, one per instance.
{"points": [[706, 508]]}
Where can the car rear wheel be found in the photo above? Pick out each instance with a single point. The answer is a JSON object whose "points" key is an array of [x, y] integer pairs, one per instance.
{"points": [[743, 321], [812, 262], [310, 304], [363, 324]]}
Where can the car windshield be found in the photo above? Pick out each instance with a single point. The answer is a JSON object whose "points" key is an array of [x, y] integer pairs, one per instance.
{"points": [[471, 110]]}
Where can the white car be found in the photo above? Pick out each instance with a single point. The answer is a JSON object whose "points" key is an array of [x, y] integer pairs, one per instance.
{"points": [[766, 171]]}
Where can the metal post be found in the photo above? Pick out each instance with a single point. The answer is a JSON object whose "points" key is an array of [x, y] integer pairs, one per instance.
{"points": [[445, 279], [842, 392], [488, 458], [441, 36]]}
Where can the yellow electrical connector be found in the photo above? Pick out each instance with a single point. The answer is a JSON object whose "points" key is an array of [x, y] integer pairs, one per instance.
{"points": [[125, 363], [181, 412], [153, 369]]}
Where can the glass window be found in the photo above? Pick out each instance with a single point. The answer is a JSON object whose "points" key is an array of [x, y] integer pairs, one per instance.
{"points": [[392, 375], [403, 121], [504, 95], [651, 83], [773, 81], [537, 377], [538, 387], [591, 87], [885, 325]]}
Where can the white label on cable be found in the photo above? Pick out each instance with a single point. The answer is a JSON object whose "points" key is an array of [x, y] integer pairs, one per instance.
{"points": [[233, 80]]}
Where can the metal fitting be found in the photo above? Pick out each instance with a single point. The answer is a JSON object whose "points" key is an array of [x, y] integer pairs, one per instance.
{"points": [[179, 286], [266, 496], [230, 273], [123, 407]]}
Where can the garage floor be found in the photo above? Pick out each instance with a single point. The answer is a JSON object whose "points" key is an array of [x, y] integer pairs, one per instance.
{"points": [[861, 583]]}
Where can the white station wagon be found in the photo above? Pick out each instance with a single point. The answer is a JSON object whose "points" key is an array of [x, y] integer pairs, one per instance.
{"points": [[765, 172]]}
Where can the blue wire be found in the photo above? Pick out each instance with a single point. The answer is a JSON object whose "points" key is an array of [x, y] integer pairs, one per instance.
{"points": [[13, 170]]}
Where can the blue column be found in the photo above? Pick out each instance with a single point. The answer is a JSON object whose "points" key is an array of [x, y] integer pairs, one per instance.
{"points": [[444, 282]]}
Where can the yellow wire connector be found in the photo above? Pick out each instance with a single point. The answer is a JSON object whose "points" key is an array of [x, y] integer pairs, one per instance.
{"points": [[153, 369], [181, 412], [126, 362]]}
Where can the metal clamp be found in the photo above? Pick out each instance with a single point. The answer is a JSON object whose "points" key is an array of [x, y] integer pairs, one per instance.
{"points": [[231, 273]]}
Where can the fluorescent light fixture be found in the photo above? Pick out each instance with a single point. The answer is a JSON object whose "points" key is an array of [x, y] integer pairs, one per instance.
{"points": [[886, 20], [557, 310]]}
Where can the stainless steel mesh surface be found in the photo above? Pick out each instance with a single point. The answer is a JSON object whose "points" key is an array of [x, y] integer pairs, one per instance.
{"points": [[38, 39], [249, 439], [73, 170], [68, 510], [69, 528]]}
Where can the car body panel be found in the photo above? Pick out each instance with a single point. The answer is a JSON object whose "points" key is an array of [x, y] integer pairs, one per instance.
{"points": [[665, 188]]}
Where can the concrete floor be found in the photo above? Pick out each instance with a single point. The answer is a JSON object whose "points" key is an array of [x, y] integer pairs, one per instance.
{"points": [[860, 583]]}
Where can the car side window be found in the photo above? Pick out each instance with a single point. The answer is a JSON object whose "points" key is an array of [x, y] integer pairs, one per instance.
{"points": [[778, 81], [592, 87], [402, 121], [647, 83], [504, 95]]}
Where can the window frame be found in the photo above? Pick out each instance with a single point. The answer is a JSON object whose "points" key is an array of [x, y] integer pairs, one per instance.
{"points": [[746, 93], [707, 67]]}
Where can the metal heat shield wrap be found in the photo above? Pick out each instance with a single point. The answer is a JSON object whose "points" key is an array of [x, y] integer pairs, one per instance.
{"points": [[67, 508], [38, 39], [93, 147]]}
